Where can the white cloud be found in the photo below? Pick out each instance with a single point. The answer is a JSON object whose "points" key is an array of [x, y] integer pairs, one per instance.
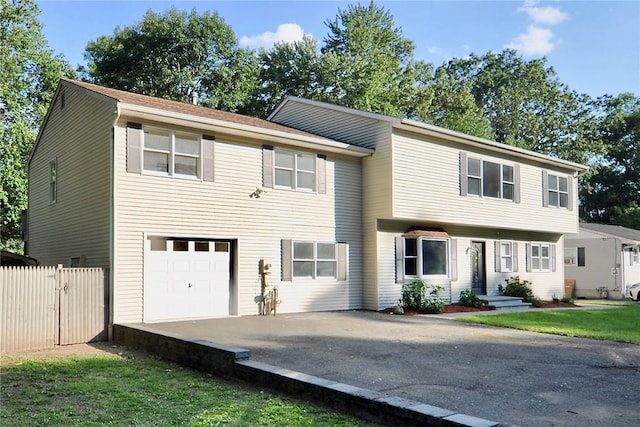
{"points": [[436, 51], [287, 33], [536, 41], [543, 15]]}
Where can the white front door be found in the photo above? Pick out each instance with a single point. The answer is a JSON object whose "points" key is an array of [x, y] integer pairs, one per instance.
{"points": [[185, 278]]}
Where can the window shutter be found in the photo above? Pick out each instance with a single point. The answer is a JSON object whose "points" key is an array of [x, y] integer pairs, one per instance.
{"points": [[321, 164], [545, 188], [581, 257], [514, 248], [343, 261], [399, 260], [527, 247], [553, 257], [134, 147], [454, 260], [208, 145], [496, 255], [570, 202], [286, 262], [267, 166], [516, 183], [463, 174]]}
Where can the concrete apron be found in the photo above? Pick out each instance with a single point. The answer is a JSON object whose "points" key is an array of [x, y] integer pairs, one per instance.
{"points": [[234, 362]]}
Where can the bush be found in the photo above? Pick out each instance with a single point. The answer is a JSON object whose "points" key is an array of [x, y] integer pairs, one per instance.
{"points": [[470, 299], [517, 288], [417, 295], [567, 300]]}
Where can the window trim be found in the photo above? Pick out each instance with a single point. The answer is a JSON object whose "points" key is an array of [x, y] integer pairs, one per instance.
{"points": [[53, 180], [295, 170], [511, 257], [419, 259], [172, 153], [550, 257], [341, 262], [465, 177], [557, 191], [572, 257]]}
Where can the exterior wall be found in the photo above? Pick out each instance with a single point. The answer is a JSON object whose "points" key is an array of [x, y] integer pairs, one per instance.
{"points": [[426, 182], [224, 210], [79, 137], [603, 258], [544, 284]]}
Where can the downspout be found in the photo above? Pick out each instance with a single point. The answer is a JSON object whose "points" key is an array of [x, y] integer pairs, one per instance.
{"points": [[112, 224]]}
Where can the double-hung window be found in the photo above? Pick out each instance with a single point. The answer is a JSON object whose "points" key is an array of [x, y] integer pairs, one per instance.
{"points": [[558, 191], [489, 179], [171, 153], [540, 257], [314, 260], [426, 257], [506, 256], [295, 170]]}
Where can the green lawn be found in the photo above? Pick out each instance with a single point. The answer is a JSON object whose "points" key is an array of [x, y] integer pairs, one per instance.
{"points": [[616, 324], [115, 391]]}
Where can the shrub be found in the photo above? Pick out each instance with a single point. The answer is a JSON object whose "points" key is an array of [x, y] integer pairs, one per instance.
{"points": [[417, 295], [567, 300], [470, 299], [537, 302], [517, 288]]}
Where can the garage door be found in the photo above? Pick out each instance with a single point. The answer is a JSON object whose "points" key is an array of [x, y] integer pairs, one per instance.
{"points": [[185, 278]]}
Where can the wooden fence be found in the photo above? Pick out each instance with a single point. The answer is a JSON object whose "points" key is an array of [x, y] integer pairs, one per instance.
{"points": [[41, 307]]}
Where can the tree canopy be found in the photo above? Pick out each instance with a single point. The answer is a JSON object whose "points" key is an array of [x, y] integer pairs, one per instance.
{"points": [[175, 55], [29, 75]]}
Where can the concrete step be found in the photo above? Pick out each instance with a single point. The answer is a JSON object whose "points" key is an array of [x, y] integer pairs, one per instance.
{"points": [[501, 302]]}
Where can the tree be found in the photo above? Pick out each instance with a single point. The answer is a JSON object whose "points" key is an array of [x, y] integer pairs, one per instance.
{"points": [[286, 69], [611, 194], [175, 55], [29, 74], [366, 61], [527, 105]]}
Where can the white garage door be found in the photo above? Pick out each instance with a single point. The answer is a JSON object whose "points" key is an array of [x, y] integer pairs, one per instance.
{"points": [[185, 278]]}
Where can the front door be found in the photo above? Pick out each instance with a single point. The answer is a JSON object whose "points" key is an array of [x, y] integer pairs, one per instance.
{"points": [[478, 274]]}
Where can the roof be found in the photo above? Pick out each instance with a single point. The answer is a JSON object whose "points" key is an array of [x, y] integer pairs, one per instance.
{"points": [[424, 129], [185, 108], [612, 230]]}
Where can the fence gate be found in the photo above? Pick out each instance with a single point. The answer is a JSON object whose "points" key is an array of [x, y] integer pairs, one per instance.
{"points": [[47, 306]]}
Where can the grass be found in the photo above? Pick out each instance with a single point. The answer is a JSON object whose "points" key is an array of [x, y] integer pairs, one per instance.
{"points": [[115, 391], [616, 324]]}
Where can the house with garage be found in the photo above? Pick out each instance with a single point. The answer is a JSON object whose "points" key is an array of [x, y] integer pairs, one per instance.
{"points": [[196, 211], [448, 208], [603, 259]]}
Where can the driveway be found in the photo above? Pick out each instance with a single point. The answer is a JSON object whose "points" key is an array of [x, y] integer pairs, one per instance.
{"points": [[498, 374]]}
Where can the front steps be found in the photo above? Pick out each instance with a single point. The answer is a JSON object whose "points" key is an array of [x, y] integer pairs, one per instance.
{"points": [[502, 303]]}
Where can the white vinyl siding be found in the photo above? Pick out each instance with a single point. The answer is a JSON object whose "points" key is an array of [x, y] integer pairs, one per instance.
{"points": [[79, 138], [426, 170], [225, 210]]}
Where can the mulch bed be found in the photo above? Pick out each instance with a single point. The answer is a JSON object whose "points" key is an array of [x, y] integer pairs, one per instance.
{"points": [[457, 308]]}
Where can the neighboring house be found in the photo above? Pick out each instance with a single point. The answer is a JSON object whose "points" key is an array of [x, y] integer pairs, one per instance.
{"points": [[603, 260], [184, 204], [449, 208]]}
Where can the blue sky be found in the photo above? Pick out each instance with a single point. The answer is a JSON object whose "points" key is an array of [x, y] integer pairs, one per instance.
{"points": [[594, 46]]}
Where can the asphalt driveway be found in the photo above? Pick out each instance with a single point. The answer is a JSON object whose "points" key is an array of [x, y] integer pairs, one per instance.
{"points": [[498, 374]]}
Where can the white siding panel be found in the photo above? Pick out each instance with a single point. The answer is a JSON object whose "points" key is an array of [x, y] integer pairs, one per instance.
{"points": [[426, 186], [224, 210], [79, 137]]}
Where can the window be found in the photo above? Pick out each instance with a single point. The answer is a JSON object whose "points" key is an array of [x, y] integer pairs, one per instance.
{"points": [[571, 257], [490, 179], [426, 257], [636, 256], [540, 257], [506, 256], [558, 191], [171, 153], [314, 259], [53, 181], [295, 170]]}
